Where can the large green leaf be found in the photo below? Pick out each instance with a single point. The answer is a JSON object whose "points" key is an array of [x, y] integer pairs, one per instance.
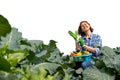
{"points": [[4, 64], [107, 51], [14, 57], [110, 58], [12, 39], [92, 73], [55, 55], [36, 72], [32, 45], [7, 76], [51, 67], [5, 27]]}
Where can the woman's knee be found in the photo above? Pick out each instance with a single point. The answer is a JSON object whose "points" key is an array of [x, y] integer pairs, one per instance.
{"points": [[86, 64]]}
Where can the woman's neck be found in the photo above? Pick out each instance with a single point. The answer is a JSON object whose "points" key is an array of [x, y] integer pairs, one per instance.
{"points": [[88, 33]]}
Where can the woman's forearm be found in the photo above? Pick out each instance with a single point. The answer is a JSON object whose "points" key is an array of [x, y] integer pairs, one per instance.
{"points": [[85, 46], [90, 48]]}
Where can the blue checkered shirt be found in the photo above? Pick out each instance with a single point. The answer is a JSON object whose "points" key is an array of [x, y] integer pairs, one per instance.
{"points": [[94, 41]]}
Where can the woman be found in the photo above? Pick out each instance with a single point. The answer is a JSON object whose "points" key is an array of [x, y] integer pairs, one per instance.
{"points": [[92, 43]]}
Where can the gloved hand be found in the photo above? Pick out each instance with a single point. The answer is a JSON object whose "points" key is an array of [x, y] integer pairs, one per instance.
{"points": [[81, 41], [74, 35]]}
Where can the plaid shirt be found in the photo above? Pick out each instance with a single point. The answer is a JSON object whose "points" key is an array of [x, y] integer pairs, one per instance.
{"points": [[94, 41]]}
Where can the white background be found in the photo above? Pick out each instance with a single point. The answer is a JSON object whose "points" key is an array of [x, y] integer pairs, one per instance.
{"points": [[51, 19]]}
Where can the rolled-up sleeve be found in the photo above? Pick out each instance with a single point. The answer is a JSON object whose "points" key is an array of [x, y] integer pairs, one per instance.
{"points": [[98, 52], [98, 46]]}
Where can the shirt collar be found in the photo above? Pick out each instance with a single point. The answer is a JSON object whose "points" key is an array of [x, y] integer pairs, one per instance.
{"points": [[89, 37]]}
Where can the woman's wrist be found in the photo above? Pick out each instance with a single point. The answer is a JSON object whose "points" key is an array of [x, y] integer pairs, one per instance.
{"points": [[84, 46]]}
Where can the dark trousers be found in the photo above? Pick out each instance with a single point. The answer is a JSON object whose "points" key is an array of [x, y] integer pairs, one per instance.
{"points": [[78, 65]]}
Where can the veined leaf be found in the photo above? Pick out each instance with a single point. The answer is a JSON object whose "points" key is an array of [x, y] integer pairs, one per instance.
{"points": [[110, 58], [34, 45], [51, 67], [12, 39], [92, 73], [16, 56]]}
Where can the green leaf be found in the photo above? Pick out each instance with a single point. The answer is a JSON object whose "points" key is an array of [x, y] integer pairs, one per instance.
{"points": [[116, 62], [3, 50], [4, 64], [107, 51], [5, 27], [110, 58], [51, 67], [7, 76], [51, 46], [32, 45], [12, 39], [92, 73], [16, 56]]}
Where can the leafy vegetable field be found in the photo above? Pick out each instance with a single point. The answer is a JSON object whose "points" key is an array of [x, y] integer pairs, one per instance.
{"points": [[23, 59]]}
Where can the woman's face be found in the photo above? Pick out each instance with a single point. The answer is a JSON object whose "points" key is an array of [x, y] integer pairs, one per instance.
{"points": [[85, 27]]}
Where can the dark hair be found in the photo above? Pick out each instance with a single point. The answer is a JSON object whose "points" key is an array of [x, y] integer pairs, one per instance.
{"points": [[80, 32]]}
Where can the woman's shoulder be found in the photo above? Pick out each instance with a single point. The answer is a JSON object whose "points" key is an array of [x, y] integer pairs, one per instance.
{"points": [[95, 35]]}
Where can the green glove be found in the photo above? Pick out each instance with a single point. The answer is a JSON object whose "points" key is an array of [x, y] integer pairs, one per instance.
{"points": [[81, 41], [74, 35]]}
